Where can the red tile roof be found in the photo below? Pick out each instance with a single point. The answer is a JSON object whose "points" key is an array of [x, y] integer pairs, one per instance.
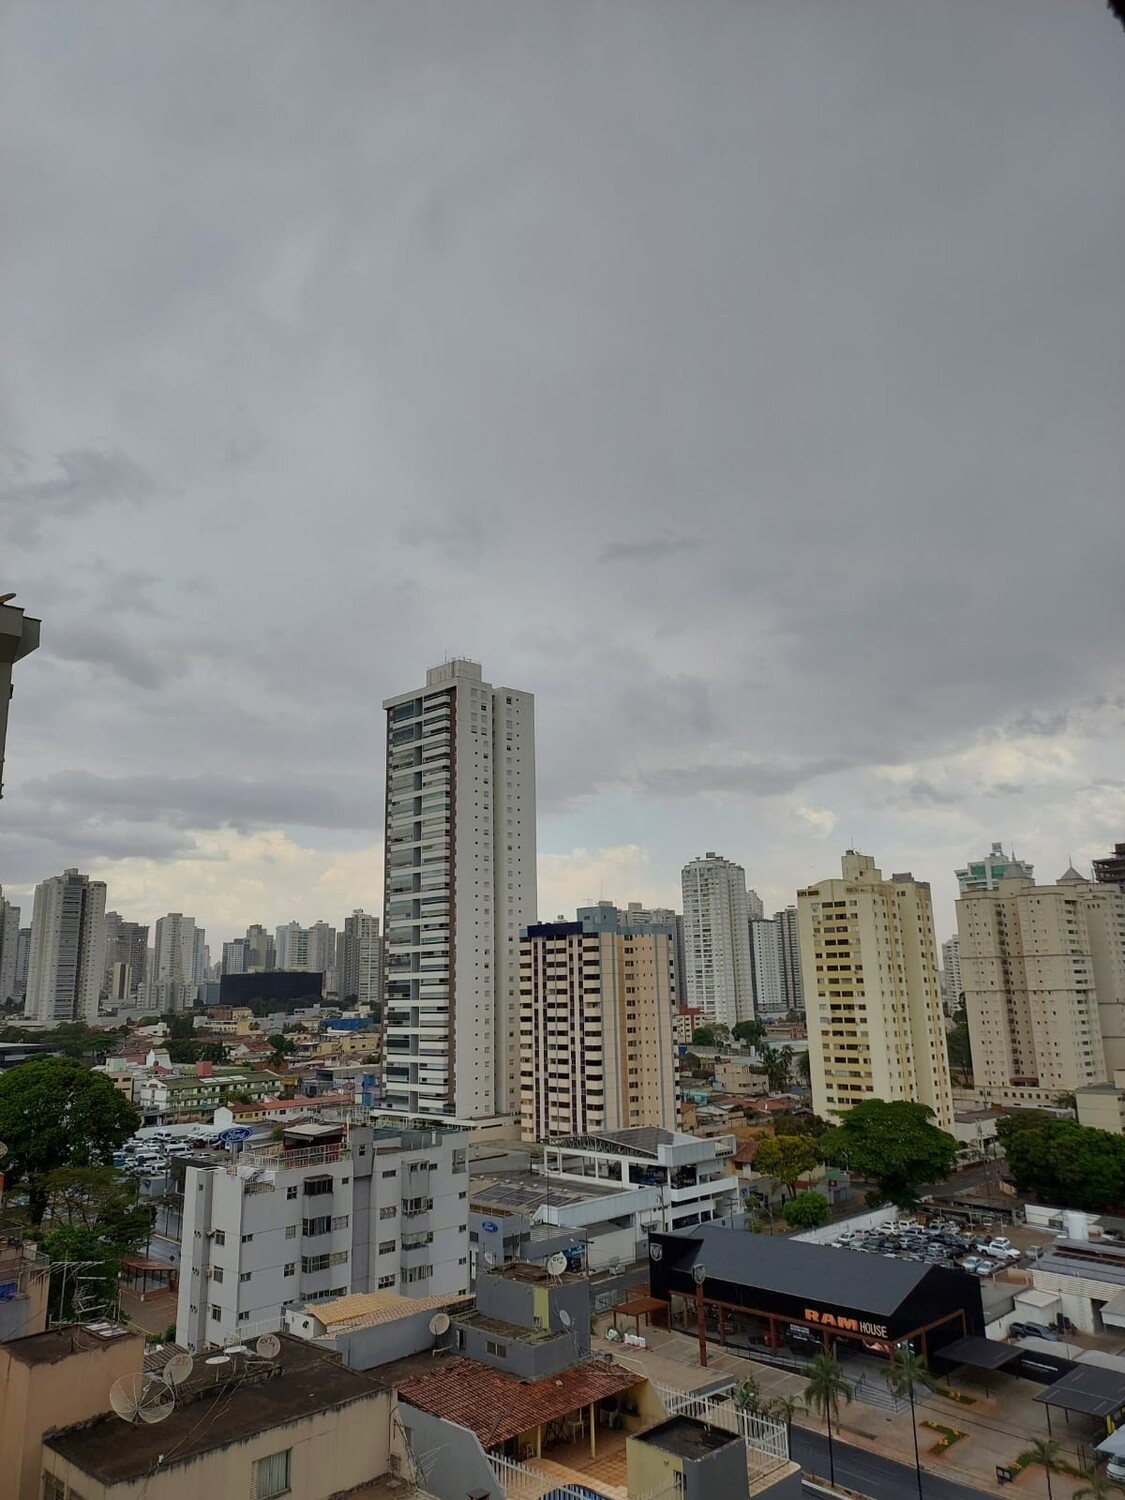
{"points": [[498, 1407]]}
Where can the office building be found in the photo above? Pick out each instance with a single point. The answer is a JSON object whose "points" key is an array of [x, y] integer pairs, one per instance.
{"points": [[718, 978], [985, 874], [869, 961], [460, 885], [19, 637], [1110, 869], [126, 944], [789, 941], [766, 968], [596, 1050], [359, 960], [66, 958], [951, 985], [328, 1212], [261, 949], [9, 948], [1043, 972]]}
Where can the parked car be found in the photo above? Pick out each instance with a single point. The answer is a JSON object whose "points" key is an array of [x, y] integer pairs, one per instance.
{"points": [[970, 1263], [1039, 1331], [988, 1267]]}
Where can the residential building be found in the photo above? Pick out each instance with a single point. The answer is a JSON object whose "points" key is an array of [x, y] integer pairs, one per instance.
{"points": [[126, 943], [766, 968], [171, 1098], [1110, 869], [174, 949], [328, 1212], [596, 1049], [606, 917], [236, 956], [755, 908], [23, 957], [718, 974], [359, 960], [986, 873], [298, 1423], [9, 948], [952, 986], [311, 949], [1101, 1106], [19, 637], [1043, 971], [869, 962], [460, 886], [262, 954], [25, 1277], [789, 941], [66, 960]]}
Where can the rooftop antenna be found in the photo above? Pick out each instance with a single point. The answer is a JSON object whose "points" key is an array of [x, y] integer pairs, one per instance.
{"points": [[142, 1398]]}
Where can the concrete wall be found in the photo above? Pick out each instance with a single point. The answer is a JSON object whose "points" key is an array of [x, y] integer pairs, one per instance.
{"points": [[445, 1460], [829, 1232], [331, 1453]]}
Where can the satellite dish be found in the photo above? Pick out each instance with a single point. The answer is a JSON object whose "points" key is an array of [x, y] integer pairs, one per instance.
{"points": [[556, 1265], [141, 1398], [564, 1317], [178, 1368], [439, 1324], [236, 1349], [268, 1346], [219, 1359]]}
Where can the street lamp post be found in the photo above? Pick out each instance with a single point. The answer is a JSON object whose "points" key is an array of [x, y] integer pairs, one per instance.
{"points": [[699, 1274]]}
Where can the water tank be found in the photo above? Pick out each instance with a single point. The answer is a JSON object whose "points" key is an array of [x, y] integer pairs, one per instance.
{"points": [[1076, 1224]]}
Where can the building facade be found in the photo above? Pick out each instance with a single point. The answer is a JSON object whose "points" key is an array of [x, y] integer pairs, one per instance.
{"points": [[174, 949], [66, 958], [606, 917], [9, 948], [1043, 970], [789, 940], [985, 874], [330, 1212], [596, 1050], [869, 960], [460, 886], [766, 967], [19, 637], [126, 943], [952, 986], [359, 959], [718, 978], [261, 949], [1110, 869]]}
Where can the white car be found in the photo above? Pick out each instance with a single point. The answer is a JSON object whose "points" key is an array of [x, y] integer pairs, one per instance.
{"points": [[970, 1263], [1003, 1250]]}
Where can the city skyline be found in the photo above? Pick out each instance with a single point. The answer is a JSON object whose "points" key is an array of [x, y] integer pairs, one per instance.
{"points": [[812, 420]]}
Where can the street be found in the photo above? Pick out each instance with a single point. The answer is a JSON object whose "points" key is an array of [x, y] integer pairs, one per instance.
{"points": [[869, 1474]]}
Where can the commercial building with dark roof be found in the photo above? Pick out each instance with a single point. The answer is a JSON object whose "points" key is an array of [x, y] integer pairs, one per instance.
{"points": [[765, 1286]]}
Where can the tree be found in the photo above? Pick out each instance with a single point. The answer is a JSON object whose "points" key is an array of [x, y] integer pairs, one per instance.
{"points": [[908, 1370], [894, 1145], [1062, 1162], [786, 1158], [803, 1066], [957, 1047], [54, 1113], [778, 1065], [807, 1210], [753, 1033], [711, 1035], [1097, 1487], [1046, 1451], [783, 1408], [748, 1395], [823, 1393], [282, 1048], [791, 1123]]}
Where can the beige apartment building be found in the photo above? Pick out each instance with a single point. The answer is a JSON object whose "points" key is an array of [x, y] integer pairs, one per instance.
{"points": [[872, 1002], [596, 1050], [1043, 969]]}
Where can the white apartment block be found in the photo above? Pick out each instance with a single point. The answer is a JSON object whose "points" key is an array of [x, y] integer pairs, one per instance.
{"points": [[306, 949], [869, 962], [9, 947], [596, 1050], [952, 985], [174, 949], [327, 1212], [460, 885], [1043, 973], [718, 977], [766, 963], [359, 959], [66, 958]]}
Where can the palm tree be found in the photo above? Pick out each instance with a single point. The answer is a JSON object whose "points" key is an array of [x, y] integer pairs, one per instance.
{"points": [[803, 1066], [784, 1409], [748, 1395], [823, 1392], [1045, 1451], [908, 1369]]}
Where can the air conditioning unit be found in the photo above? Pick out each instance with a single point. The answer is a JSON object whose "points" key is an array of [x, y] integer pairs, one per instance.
{"points": [[209, 1272]]}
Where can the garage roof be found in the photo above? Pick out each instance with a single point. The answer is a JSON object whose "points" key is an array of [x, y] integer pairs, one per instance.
{"points": [[1088, 1388], [980, 1354]]}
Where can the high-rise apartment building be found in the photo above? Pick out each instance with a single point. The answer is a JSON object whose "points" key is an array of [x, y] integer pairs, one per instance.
{"points": [[606, 917], [236, 955], [19, 637], [261, 949], [766, 967], [951, 983], [306, 949], [66, 957], [359, 959], [327, 1213], [1043, 971], [789, 942], [755, 907], [460, 885], [126, 944], [1110, 869], [9, 947], [174, 949], [596, 1050], [718, 978], [869, 961], [985, 874], [23, 956]]}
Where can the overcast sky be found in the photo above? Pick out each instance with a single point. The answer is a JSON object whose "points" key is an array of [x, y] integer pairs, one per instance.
{"points": [[744, 378]]}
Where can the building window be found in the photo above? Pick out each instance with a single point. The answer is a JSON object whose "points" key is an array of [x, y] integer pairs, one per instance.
{"points": [[246, 1275], [291, 1192], [492, 1347], [271, 1475], [246, 1238], [290, 1231], [216, 1312], [216, 1273], [220, 1237], [392, 1212], [53, 1489], [290, 1268], [385, 1282]]}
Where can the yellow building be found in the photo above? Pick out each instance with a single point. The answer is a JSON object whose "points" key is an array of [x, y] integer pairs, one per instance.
{"points": [[596, 1050], [873, 1005]]}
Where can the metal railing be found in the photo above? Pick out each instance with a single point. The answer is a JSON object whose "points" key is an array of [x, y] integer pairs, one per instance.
{"points": [[520, 1482], [288, 1161], [765, 1436]]}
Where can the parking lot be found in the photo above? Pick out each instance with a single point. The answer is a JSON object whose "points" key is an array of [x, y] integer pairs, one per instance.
{"points": [[938, 1242]]}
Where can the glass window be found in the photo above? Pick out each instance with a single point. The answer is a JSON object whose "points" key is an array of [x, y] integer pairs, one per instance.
{"points": [[271, 1475]]}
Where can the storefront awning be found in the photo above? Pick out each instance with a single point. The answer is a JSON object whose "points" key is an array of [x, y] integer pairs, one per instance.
{"points": [[980, 1354]]}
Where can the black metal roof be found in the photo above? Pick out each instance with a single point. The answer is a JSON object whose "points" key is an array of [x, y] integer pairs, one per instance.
{"points": [[1089, 1388], [799, 1268], [980, 1354]]}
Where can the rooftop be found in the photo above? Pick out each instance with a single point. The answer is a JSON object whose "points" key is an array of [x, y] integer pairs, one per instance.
{"points": [[302, 1381], [687, 1438], [60, 1343], [367, 1309], [498, 1407]]}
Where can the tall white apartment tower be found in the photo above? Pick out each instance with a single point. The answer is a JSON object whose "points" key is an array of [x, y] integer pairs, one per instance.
{"points": [[459, 885], [174, 948], [719, 974], [66, 959], [9, 947], [869, 961]]}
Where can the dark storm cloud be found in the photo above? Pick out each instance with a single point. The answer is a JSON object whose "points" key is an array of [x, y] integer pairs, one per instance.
{"points": [[744, 379]]}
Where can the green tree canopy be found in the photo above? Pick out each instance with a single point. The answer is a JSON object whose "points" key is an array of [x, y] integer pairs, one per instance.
{"points": [[799, 1124], [753, 1033], [893, 1144], [807, 1210], [787, 1158], [713, 1034], [54, 1113], [1062, 1162]]}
